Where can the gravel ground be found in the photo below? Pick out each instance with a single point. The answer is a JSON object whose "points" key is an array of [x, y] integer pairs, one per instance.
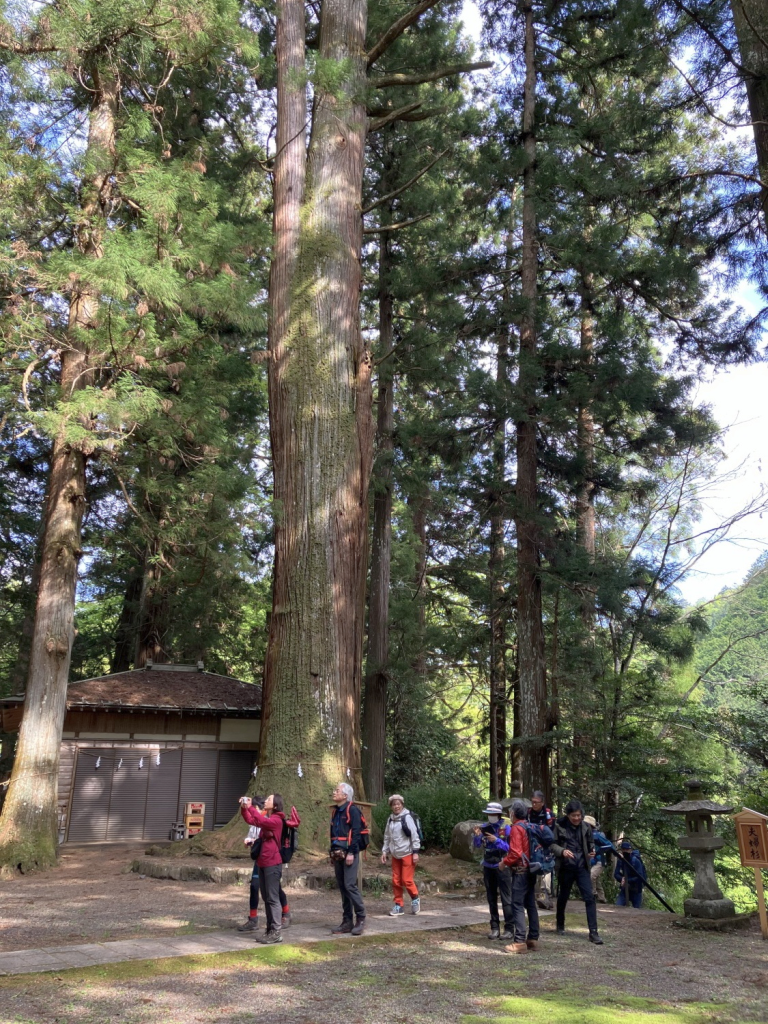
{"points": [[646, 972], [429, 978], [91, 897]]}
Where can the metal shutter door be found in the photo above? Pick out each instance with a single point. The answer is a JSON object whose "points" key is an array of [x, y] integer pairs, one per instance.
{"points": [[129, 795], [90, 799], [198, 781], [163, 794], [235, 768]]}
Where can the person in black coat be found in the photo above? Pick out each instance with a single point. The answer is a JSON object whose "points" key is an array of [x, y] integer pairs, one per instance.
{"points": [[574, 848]]}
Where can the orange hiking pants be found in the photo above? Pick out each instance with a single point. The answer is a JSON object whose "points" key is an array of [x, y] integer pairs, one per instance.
{"points": [[402, 877]]}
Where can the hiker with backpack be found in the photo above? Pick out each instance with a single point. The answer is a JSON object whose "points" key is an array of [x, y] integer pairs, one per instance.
{"points": [[597, 865], [630, 873], [493, 838], [402, 841], [528, 859], [574, 848], [349, 837], [269, 859], [540, 814], [253, 841]]}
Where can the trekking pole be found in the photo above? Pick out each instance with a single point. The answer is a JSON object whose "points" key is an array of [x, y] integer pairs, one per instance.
{"points": [[644, 881]]}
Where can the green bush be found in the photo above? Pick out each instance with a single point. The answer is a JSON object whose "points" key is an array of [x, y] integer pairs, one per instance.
{"points": [[439, 808]]}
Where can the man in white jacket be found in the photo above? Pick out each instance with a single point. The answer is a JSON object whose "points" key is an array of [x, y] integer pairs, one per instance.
{"points": [[401, 842]]}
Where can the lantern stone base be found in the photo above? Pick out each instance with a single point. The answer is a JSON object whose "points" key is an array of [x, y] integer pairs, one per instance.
{"points": [[711, 909]]}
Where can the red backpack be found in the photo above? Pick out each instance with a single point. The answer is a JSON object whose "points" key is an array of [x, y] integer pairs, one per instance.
{"points": [[290, 835]]}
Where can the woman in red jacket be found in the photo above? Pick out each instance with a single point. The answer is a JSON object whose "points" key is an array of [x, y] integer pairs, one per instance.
{"points": [[270, 858]]}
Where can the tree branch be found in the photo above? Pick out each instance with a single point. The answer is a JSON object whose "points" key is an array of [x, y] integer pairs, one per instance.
{"points": [[407, 185], [416, 115], [396, 30], [395, 227], [393, 115], [389, 81]]}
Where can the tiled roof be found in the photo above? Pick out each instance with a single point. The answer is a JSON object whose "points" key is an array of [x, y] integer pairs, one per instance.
{"points": [[163, 689]]}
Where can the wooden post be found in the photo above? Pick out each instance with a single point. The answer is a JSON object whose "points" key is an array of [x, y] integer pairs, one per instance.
{"points": [[752, 834], [761, 902]]}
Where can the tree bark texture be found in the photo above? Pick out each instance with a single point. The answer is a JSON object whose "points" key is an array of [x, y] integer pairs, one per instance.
{"points": [[530, 631], [497, 602], [125, 634], [29, 825], [321, 423], [750, 18], [377, 676], [153, 620]]}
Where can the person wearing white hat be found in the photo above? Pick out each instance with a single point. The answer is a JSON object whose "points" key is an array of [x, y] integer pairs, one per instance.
{"points": [[493, 837]]}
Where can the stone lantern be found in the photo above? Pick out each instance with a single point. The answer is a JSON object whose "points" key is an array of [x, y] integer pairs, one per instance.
{"points": [[707, 899]]}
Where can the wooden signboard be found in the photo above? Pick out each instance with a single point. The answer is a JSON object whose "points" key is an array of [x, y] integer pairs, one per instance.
{"points": [[752, 833]]}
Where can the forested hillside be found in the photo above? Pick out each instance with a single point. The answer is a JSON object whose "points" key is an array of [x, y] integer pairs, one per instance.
{"points": [[358, 357]]}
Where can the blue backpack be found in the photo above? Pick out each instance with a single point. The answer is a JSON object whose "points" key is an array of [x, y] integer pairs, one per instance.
{"points": [[540, 837]]}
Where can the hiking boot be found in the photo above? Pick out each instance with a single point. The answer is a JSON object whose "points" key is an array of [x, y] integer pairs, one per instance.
{"points": [[506, 935], [517, 947], [532, 943], [272, 936], [251, 925], [396, 911], [343, 929], [594, 937], [416, 905], [286, 919], [494, 932], [359, 927]]}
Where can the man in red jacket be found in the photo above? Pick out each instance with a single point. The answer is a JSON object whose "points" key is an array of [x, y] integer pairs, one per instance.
{"points": [[270, 859], [523, 883]]}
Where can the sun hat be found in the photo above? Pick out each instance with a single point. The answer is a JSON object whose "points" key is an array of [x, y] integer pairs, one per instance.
{"points": [[494, 808], [590, 820]]}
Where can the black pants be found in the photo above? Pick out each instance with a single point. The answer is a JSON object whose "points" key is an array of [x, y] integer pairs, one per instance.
{"points": [[254, 900], [346, 879], [565, 881], [269, 883], [498, 882], [524, 901]]}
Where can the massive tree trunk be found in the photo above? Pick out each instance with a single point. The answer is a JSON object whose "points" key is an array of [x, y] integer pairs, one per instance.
{"points": [[498, 615], [320, 422], [125, 634], [530, 631], [153, 620], [29, 826], [377, 676], [585, 442], [751, 20]]}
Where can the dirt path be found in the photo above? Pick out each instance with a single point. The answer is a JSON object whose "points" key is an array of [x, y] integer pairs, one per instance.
{"points": [[647, 973], [91, 898]]}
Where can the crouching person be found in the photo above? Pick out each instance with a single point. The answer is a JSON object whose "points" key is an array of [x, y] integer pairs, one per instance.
{"points": [[523, 883], [346, 843]]}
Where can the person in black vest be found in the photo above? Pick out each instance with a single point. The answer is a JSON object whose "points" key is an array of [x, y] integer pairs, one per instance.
{"points": [[346, 823], [574, 848]]}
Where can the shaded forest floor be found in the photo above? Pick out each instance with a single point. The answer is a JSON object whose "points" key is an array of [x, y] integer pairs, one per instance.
{"points": [[648, 972], [91, 898]]}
